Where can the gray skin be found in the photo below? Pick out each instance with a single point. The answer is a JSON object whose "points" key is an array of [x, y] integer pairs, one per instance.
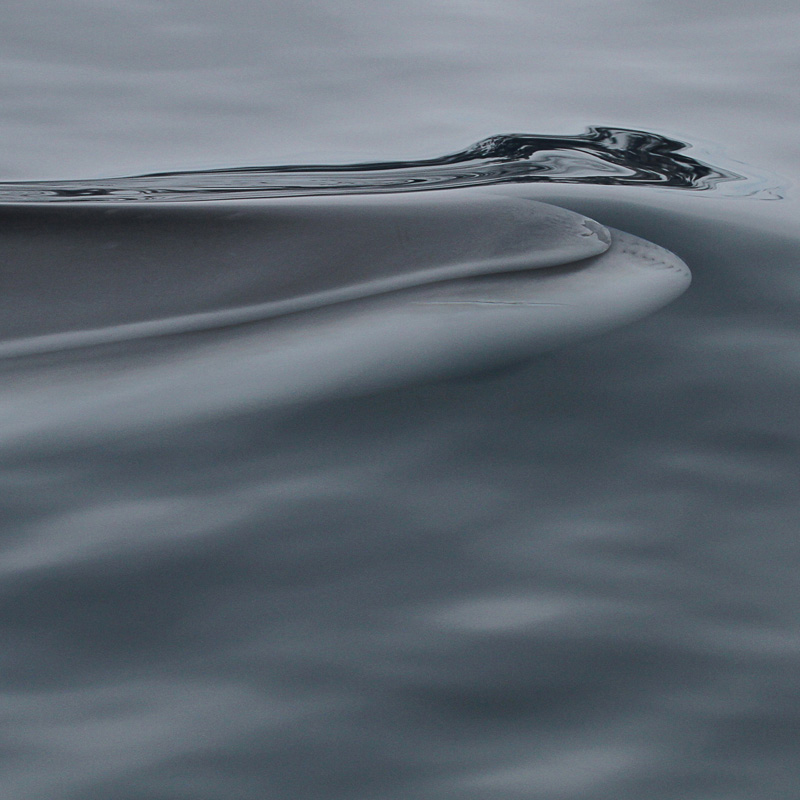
{"points": [[78, 267], [79, 274], [133, 318]]}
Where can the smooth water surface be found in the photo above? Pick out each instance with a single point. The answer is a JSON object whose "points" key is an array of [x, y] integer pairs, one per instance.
{"points": [[328, 552]]}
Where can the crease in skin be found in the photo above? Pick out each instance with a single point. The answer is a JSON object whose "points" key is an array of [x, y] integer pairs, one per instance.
{"points": [[53, 343], [426, 332], [289, 255], [459, 275], [484, 303]]}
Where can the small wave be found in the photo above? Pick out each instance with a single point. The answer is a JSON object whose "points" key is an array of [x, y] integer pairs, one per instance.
{"points": [[601, 155]]}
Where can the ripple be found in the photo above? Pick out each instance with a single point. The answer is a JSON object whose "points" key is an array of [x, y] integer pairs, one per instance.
{"points": [[600, 155]]}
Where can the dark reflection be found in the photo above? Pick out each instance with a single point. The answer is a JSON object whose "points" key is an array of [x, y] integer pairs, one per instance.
{"points": [[608, 156]]}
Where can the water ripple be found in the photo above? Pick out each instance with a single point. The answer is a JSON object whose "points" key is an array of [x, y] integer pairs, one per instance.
{"points": [[601, 155]]}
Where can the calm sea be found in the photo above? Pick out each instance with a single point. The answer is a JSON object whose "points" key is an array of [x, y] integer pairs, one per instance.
{"points": [[568, 575]]}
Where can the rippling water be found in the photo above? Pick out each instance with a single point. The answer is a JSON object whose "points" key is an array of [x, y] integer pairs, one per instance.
{"points": [[602, 156], [317, 483]]}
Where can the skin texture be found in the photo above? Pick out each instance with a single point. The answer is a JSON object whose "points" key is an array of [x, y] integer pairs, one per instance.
{"points": [[335, 327], [82, 274]]}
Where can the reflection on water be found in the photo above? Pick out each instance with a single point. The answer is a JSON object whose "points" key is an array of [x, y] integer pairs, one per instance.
{"points": [[604, 156]]}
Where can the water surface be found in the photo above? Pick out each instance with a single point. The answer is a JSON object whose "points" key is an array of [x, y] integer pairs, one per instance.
{"points": [[569, 575]]}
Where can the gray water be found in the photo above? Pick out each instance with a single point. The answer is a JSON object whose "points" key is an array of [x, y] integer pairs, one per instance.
{"points": [[567, 574]]}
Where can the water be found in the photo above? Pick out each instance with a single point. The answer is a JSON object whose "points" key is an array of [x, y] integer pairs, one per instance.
{"points": [[571, 573], [601, 156]]}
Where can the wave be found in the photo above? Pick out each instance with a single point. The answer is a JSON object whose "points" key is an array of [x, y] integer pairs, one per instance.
{"points": [[600, 155]]}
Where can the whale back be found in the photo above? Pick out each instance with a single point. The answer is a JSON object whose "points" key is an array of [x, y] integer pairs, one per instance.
{"points": [[75, 267]]}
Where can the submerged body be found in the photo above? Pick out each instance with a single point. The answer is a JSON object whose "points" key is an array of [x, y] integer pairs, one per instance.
{"points": [[85, 274], [141, 316]]}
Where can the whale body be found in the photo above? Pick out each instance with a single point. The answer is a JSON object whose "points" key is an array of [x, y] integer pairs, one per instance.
{"points": [[297, 298], [83, 274]]}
